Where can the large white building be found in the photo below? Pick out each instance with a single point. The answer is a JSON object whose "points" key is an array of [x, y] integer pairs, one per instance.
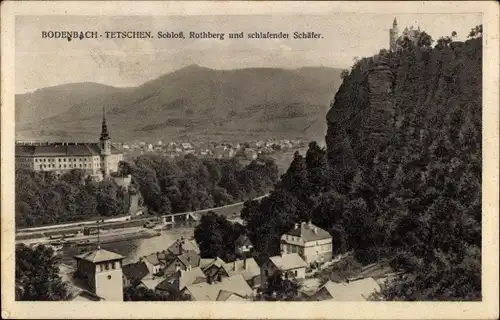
{"points": [[311, 243], [97, 159]]}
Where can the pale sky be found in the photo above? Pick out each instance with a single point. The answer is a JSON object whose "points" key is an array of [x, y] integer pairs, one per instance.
{"points": [[129, 62]]}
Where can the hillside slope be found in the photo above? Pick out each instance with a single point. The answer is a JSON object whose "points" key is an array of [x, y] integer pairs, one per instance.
{"points": [[190, 102], [404, 146], [399, 183]]}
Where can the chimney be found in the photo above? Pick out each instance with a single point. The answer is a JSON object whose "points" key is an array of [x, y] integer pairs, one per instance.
{"points": [[315, 230], [234, 265], [245, 264], [309, 223], [296, 226]]}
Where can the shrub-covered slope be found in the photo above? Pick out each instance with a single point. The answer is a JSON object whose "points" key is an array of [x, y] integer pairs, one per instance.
{"points": [[400, 179]]}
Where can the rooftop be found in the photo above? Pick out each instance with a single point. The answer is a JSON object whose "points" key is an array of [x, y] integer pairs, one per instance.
{"points": [[135, 271], [207, 263], [309, 232], [248, 268], [288, 261], [185, 244], [61, 149], [243, 240], [229, 296], [210, 292], [188, 277], [190, 258], [359, 290], [99, 255], [151, 283]]}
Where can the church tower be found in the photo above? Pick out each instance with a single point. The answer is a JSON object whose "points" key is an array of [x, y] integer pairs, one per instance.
{"points": [[105, 145], [393, 36]]}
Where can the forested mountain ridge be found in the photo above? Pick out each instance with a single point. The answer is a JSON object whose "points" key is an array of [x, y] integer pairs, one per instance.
{"points": [[400, 179], [190, 103]]}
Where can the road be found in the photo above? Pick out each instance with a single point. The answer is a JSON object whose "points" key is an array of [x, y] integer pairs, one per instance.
{"points": [[224, 210]]}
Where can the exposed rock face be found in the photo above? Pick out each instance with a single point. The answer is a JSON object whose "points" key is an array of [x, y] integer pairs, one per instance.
{"points": [[416, 87], [363, 112]]}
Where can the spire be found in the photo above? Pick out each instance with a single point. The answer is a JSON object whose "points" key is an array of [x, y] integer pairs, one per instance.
{"points": [[104, 128], [395, 23]]}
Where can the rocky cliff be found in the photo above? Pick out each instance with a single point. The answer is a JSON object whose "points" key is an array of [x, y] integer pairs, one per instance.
{"points": [[415, 86]]}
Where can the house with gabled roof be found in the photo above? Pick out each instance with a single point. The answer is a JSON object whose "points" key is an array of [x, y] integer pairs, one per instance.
{"points": [[178, 280], [243, 245], [213, 270], [291, 265], [248, 268], [358, 290], [153, 263], [188, 260], [310, 242], [229, 296], [221, 290], [133, 273], [182, 245]]}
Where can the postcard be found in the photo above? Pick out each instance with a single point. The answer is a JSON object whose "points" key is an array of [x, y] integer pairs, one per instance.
{"points": [[240, 160]]}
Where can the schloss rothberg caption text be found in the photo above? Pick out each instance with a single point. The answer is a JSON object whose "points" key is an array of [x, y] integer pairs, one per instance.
{"points": [[69, 35]]}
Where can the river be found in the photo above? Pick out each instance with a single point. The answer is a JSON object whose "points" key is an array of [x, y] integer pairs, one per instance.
{"points": [[134, 249]]}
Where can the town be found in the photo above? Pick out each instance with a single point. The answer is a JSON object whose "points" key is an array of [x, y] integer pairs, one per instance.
{"points": [[179, 271], [246, 150]]}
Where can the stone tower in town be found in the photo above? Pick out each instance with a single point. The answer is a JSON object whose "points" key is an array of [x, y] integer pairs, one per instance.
{"points": [[101, 273], [393, 36], [105, 144]]}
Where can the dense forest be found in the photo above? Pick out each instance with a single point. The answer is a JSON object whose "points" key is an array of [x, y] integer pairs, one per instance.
{"points": [[400, 179], [37, 275], [165, 186], [193, 184], [44, 198]]}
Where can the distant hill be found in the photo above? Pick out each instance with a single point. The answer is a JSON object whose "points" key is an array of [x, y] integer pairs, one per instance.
{"points": [[190, 103]]}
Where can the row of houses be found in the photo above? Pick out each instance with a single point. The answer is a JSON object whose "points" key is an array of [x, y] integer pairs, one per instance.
{"points": [[248, 150], [180, 269]]}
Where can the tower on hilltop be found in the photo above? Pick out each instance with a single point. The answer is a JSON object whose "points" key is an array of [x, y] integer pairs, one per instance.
{"points": [[393, 36], [105, 144]]}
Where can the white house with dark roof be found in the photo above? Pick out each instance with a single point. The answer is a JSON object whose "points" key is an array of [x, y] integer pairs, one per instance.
{"points": [[98, 159], [310, 242]]}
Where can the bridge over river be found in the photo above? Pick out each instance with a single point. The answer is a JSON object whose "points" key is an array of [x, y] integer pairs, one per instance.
{"points": [[229, 211]]}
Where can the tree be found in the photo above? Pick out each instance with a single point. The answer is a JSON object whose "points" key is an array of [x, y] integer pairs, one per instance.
{"points": [[280, 287], [425, 40], [216, 236], [37, 275], [344, 74], [476, 32], [134, 293]]}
